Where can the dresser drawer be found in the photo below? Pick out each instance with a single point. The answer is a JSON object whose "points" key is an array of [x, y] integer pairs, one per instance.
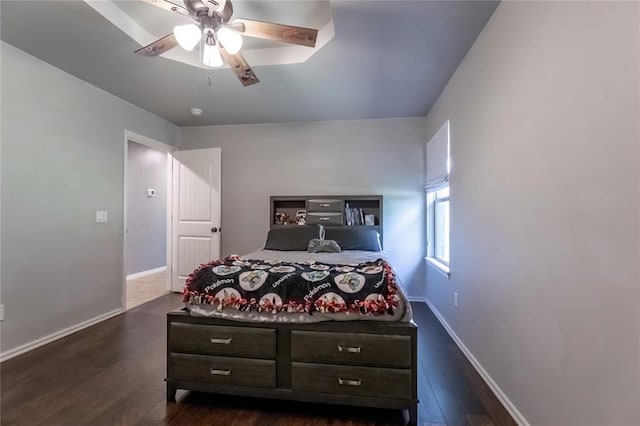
{"points": [[350, 380], [318, 218], [223, 370], [351, 348], [220, 340], [318, 205]]}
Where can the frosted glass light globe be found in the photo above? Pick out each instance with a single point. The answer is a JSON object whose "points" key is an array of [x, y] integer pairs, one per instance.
{"points": [[230, 39], [187, 36], [211, 56]]}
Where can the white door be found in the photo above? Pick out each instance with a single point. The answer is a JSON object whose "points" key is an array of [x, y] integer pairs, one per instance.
{"points": [[195, 213]]}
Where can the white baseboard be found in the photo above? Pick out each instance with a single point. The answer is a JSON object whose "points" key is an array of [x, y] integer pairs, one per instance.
{"points": [[417, 299], [145, 273], [511, 408], [11, 353]]}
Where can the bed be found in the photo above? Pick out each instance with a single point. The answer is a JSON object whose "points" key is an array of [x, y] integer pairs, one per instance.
{"points": [[311, 325]]}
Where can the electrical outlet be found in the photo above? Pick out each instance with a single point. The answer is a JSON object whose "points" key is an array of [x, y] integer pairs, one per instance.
{"points": [[456, 300], [1, 312]]}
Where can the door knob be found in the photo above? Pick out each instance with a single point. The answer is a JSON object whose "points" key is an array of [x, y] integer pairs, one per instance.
{"points": [[214, 230]]}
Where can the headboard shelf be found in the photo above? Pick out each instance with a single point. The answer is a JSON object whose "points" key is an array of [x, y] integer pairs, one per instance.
{"points": [[328, 210]]}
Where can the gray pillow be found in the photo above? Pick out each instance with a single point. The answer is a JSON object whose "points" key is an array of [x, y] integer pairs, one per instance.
{"points": [[291, 237], [316, 245], [355, 238]]}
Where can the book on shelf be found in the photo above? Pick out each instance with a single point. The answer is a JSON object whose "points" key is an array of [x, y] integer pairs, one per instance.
{"points": [[356, 217]]}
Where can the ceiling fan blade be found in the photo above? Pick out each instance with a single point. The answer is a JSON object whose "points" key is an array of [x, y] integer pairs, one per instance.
{"points": [[159, 46], [172, 6], [240, 68], [285, 33]]}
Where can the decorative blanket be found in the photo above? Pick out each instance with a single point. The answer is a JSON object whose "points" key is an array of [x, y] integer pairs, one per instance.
{"points": [[274, 286]]}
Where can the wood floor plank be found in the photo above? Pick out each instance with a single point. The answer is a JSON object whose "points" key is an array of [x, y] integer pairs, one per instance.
{"points": [[428, 408], [479, 420], [112, 374]]}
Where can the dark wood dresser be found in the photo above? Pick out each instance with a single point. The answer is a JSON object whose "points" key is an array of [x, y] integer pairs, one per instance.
{"points": [[361, 363]]}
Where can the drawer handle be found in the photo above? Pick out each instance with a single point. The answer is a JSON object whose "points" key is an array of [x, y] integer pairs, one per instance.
{"points": [[348, 382], [325, 219], [221, 341], [325, 205], [220, 372], [351, 349]]}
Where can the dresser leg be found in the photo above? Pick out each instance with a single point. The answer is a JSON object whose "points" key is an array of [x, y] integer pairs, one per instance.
{"points": [[413, 415], [171, 393]]}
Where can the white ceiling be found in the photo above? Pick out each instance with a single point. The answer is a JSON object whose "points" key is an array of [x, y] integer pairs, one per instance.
{"points": [[387, 59]]}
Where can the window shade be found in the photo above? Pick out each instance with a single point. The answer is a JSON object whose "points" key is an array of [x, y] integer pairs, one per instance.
{"points": [[437, 175]]}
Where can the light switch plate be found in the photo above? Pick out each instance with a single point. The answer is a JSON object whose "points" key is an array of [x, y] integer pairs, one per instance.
{"points": [[101, 216]]}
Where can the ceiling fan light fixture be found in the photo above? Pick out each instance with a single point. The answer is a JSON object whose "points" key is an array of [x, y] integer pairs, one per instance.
{"points": [[221, 38], [187, 36], [230, 39]]}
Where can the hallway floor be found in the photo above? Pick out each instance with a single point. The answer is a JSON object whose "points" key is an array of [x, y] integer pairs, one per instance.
{"points": [[142, 290]]}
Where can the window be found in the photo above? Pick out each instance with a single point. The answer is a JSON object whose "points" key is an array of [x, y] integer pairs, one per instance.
{"points": [[441, 225], [437, 189], [438, 226]]}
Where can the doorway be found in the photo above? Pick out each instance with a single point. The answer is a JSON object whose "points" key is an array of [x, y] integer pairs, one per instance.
{"points": [[147, 219], [191, 213]]}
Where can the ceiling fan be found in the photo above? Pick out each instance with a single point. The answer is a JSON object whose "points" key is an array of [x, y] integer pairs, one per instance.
{"points": [[221, 37]]}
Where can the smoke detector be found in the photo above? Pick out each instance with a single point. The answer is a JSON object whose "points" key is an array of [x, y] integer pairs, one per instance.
{"points": [[196, 112]]}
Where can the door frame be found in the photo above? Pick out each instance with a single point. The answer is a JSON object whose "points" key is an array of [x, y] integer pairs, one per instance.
{"points": [[169, 149]]}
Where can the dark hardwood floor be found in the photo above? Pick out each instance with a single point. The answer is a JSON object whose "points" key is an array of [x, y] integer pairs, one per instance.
{"points": [[112, 374]]}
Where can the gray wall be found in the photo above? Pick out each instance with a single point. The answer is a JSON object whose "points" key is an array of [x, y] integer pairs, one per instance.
{"points": [[544, 117], [146, 217], [323, 158], [62, 159]]}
